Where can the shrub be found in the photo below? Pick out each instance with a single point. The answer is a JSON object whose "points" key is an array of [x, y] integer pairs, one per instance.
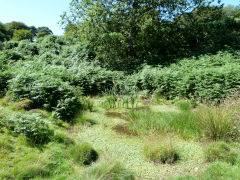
{"points": [[10, 55], [67, 108], [36, 129], [108, 170], [10, 44], [92, 78], [221, 151], [84, 154], [27, 48], [48, 92], [4, 77], [209, 77], [165, 153]]}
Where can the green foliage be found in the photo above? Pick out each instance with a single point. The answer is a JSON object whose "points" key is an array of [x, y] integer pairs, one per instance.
{"points": [[94, 79], [36, 129], [84, 154], [27, 48], [43, 31], [221, 151], [125, 34], [22, 34], [10, 55], [165, 153], [108, 170], [46, 91], [66, 108], [206, 78], [10, 44], [3, 32]]}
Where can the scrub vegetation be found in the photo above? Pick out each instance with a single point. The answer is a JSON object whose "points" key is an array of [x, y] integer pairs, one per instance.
{"points": [[132, 90]]}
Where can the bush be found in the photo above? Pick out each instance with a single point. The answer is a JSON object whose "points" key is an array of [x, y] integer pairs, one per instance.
{"points": [[36, 129], [27, 48], [165, 153], [46, 91], [210, 77], [67, 108], [108, 170], [10, 55], [221, 151], [10, 44], [84, 154], [4, 77], [92, 78]]}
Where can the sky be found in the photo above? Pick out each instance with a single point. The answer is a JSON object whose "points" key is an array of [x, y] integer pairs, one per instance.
{"points": [[44, 12], [34, 12]]}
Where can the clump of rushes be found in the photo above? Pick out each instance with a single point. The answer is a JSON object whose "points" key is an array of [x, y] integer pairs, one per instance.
{"points": [[221, 122], [25, 104], [84, 154], [108, 170], [165, 153], [221, 151]]}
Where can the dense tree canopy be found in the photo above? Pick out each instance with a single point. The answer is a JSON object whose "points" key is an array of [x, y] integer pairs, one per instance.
{"points": [[22, 34], [124, 34], [43, 31], [19, 31], [3, 33]]}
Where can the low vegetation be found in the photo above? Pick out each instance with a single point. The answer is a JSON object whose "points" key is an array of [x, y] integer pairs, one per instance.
{"points": [[151, 96]]}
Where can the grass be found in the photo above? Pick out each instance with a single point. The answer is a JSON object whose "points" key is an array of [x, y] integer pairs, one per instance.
{"points": [[135, 139], [221, 122], [84, 154], [108, 170], [185, 123], [221, 151], [165, 153]]}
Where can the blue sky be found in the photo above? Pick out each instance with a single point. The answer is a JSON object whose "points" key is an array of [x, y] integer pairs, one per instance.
{"points": [[34, 12], [43, 12]]}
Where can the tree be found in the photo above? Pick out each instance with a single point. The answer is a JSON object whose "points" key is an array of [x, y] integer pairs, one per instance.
{"points": [[70, 30], [232, 11], [43, 31], [22, 34], [33, 30], [3, 32], [15, 26], [125, 32]]}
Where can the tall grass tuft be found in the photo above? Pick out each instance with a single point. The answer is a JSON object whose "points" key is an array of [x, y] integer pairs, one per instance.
{"points": [[184, 123], [221, 122], [165, 153], [108, 170], [220, 151]]}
